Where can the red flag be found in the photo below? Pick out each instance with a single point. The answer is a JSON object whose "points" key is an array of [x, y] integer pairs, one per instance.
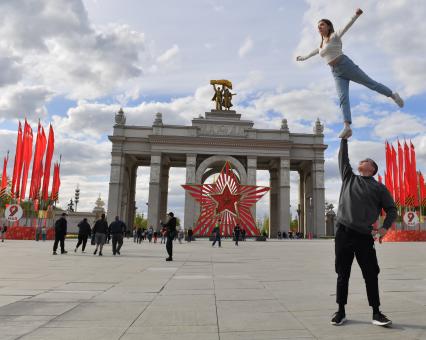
{"points": [[4, 176], [40, 172], [38, 153], [49, 155], [27, 156], [401, 174], [17, 166], [422, 190], [395, 176], [56, 183], [388, 173], [413, 176], [407, 172]]}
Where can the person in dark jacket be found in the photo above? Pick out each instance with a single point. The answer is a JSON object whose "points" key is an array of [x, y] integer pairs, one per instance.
{"points": [[100, 230], [171, 234], [361, 200], [84, 231], [60, 232], [237, 233], [117, 229]]}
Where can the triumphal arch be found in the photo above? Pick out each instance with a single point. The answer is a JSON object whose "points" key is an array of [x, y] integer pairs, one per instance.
{"points": [[213, 139]]}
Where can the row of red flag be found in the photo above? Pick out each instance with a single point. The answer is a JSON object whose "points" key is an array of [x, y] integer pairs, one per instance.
{"points": [[40, 176], [404, 182]]}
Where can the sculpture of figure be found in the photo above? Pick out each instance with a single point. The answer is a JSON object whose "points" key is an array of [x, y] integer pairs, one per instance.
{"points": [[227, 99], [218, 97]]}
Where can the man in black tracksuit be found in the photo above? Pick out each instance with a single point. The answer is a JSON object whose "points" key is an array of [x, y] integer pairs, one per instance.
{"points": [[171, 234], [84, 232], [361, 200], [60, 233], [117, 230], [237, 233]]}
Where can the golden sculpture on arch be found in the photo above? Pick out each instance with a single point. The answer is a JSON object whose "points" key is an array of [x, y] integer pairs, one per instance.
{"points": [[222, 95]]}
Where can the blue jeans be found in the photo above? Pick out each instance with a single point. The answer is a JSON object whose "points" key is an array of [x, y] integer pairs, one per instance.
{"points": [[345, 71]]}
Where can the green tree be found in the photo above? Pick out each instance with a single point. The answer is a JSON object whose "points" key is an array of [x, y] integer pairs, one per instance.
{"points": [[265, 226], [140, 221]]}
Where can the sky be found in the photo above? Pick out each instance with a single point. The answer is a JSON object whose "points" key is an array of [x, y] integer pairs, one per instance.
{"points": [[74, 63]]}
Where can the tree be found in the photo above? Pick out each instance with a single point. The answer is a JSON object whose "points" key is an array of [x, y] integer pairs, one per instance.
{"points": [[177, 222], [140, 221], [265, 226]]}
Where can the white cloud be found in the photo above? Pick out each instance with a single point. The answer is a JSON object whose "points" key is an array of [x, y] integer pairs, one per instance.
{"points": [[169, 54], [399, 124], [245, 47]]}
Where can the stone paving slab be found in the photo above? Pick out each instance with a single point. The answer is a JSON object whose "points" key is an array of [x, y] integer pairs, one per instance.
{"points": [[259, 291]]}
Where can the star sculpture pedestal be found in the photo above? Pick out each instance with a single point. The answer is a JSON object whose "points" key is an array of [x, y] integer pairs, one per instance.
{"points": [[226, 202]]}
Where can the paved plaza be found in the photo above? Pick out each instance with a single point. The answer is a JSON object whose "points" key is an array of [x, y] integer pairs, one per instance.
{"points": [[259, 290]]}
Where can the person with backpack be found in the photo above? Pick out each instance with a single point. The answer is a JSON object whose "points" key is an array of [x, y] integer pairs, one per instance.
{"points": [[117, 229], [100, 230]]}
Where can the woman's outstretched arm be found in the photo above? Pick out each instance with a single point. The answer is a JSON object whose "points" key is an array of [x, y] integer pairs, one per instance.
{"points": [[300, 58], [343, 30]]}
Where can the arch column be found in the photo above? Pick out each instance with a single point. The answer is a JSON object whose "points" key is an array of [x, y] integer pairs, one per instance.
{"points": [[251, 178], [273, 202], [131, 209], [164, 191], [189, 218], [284, 195], [154, 191], [117, 184], [318, 198]]}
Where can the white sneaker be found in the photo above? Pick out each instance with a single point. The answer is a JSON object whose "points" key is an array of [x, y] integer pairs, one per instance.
{"points": [[397, 99], [346, 132]]}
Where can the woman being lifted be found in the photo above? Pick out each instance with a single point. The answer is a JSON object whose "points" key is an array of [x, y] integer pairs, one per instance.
{"points": [[344, 69]]}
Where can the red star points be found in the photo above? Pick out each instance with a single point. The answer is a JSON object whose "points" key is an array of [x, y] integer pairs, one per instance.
{"points": [[226, 200]]}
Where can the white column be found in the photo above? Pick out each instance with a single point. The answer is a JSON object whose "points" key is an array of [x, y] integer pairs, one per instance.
{"points": [[189, 218], [273, 203], [164, 191], [154, 191], [284, 195], [116, 185], [251, 178], [318, 198]]}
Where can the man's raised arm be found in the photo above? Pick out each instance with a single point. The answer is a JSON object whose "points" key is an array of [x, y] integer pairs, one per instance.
{"points": [[344, 166]]}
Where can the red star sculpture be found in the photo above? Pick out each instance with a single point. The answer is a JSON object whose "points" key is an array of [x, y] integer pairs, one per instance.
{"points": [[228, 201]]}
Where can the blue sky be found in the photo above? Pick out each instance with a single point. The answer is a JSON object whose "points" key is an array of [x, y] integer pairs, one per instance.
{"points": [[74, 63]]}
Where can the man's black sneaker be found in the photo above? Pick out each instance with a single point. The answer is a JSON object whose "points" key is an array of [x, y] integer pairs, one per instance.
{"points": [[380, 319], [55, 253], [94, 253], [169, 259], [100, 254], [75, 250], [338, 319], [64, 252], [118, 252]]}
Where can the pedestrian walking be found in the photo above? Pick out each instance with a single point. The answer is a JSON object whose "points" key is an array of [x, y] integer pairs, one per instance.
{"points": [[217, 236], [84, 231], [243, 235], [117, 229], [237, 233], [135, 235], [150, 233], [60, 233], [100, 230], [361, 200], [190, 234], [181, 235], [43, 233], [171, 233]]}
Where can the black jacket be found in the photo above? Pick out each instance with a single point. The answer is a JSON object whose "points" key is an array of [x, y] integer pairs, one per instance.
{"points": [[171, 227], [84, 229], [362, 198], [61, 226], [117, 227], [101, 227]]}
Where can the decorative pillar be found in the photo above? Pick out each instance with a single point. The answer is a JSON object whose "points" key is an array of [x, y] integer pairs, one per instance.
{"points": [[116, 183], [130, 218], [318, 198], [274, 203], [154, 191], [189, 218], [164, 191], [251, 178], [284, 195], [301, 217]]}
